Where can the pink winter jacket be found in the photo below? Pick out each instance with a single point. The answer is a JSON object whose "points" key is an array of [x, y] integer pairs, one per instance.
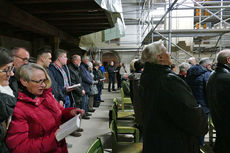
{"points": [[34, 123]]}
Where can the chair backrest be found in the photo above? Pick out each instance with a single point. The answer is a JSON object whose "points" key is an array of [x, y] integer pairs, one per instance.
{"points": [[96, 147], [113, 129], [122, 93]]}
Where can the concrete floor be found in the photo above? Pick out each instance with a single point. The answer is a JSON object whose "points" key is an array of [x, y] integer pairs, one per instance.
{"points": [[97, 126]]}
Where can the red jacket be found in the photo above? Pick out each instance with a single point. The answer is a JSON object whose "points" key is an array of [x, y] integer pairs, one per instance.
{"points": [[34, 123]]}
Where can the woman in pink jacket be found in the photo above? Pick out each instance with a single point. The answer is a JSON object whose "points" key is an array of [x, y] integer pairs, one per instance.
{"points": [[37, 115]]}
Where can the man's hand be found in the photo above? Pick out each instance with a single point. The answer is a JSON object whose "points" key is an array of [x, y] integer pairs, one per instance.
{"points": [[83, 92]]}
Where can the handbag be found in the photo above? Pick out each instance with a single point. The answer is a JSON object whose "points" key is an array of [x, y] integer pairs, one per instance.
{"points": [[93, 90]]}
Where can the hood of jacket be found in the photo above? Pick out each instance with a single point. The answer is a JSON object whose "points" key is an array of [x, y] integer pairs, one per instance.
{"points": [[196, 70]]}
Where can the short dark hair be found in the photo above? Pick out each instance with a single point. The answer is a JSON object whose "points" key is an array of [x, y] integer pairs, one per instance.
{"points": [[5, 57], [138, 65], [58, 52], [43, 50]]}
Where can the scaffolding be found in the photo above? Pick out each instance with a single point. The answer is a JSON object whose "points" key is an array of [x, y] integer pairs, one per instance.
{"points": [[207, 31]]}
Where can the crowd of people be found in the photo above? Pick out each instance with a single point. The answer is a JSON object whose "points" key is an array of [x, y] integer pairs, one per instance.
{"points": [[171, 109], [36, 98]]}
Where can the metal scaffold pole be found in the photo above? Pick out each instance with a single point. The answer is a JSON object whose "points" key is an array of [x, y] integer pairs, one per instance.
{"points": [[170, 30]]}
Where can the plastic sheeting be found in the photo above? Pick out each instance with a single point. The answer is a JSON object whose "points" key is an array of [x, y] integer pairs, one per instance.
{"points": [[95, 40]]}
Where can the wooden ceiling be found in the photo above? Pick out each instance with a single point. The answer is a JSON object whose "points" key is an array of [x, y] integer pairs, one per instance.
{"points": [[66, 19]]}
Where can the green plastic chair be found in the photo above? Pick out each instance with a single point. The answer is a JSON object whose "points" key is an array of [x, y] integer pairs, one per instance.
{"points": [[124, 127], [122, 115], [211, 131], [123, 147], [96, 147], [125, 100]]}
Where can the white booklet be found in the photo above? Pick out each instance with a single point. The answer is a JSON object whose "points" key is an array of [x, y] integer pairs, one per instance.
{"points": [[74, 86], [68, 127]]}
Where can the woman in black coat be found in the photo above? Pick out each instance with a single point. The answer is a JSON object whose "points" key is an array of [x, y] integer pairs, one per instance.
{"points": [[173, 121], [7, 99]]}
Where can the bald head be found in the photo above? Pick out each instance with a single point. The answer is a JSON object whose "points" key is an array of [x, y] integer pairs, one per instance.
{"points": [[223, 57]]}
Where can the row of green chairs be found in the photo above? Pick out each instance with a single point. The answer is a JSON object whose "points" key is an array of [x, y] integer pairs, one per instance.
{"points": [[125, 100], [124, 126]]}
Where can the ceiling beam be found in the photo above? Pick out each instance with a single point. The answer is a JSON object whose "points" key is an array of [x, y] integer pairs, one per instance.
{"points": [[46, 1], [75, 18], [19, 18]]}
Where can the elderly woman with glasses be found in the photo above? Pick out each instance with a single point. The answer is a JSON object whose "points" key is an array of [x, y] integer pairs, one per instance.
{"points": [[37, 115], [7, 99]]}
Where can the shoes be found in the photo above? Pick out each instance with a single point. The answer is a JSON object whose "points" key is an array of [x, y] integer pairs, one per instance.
{"points": [[75, 134], [114, 90], [102, 101], [97, 105], [91, 110], [109, 91], [80, 130], [88, 114], [69, 145], [86, 117]]}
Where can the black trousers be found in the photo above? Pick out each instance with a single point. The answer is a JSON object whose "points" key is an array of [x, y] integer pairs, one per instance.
{"points": [[111, 80]]}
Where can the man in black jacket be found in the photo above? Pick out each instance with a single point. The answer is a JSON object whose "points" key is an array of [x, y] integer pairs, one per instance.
{"points": [[21, 57], [75, 76], [111, 72], [218, 88], [173, 120]]}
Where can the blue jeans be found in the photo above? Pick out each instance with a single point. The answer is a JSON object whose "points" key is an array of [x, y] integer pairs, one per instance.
{"points": [[85, 103], [99, 88]]}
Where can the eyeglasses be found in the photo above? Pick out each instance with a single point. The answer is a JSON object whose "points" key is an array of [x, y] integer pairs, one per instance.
{"points": [[24, 59], [39, 81], [8, 70]]}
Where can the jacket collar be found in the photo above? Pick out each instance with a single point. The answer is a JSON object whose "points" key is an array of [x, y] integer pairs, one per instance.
{"points": [[28, 97], [225, 67], [153, 67]]}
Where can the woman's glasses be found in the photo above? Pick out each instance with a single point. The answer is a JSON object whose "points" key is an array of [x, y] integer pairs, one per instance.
{"points": [[39, 81], [8, 70]]}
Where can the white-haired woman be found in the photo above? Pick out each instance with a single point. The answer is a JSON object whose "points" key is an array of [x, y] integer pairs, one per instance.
{"points": [[7, 99], [37, 115], [172, 118]]}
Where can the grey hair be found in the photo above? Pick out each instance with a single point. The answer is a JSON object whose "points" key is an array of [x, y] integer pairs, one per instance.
{"points": [[75, 57], [85, 58], [191, 59], [183, 67], [90, 64], [205, 61], [222, 56], [151, 51], [26, 73]]}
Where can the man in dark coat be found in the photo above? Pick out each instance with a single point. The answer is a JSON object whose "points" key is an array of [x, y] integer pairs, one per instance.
{"points": [[218, 88], [21, 57], [75, 76], [197, 78], [61, 76], [87, 81], [111, 72], [173, 120]]}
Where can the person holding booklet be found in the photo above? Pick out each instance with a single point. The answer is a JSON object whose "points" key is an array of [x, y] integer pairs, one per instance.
{"points": [[37, 115], [7, 98]]}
